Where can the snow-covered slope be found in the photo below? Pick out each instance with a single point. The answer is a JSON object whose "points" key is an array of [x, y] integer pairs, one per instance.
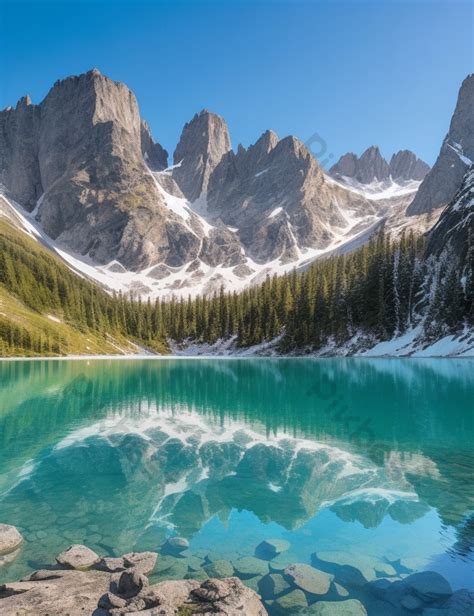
{"points": [[379, 189], [197, 276]]}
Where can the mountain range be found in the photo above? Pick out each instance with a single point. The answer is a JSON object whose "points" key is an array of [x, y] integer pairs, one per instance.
{"points": [[82, 173]]}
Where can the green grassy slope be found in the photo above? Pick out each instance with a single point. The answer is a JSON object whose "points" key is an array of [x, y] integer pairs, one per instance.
{"points": [[33, 321]]}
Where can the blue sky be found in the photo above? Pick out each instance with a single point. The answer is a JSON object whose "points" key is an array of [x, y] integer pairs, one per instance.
{"points": [[354, 72]]}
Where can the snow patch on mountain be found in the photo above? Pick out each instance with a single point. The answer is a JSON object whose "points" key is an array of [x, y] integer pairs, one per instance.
{"points": [[377, 189]]}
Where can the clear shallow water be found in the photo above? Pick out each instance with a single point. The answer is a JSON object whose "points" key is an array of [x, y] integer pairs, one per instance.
{"points": [[370, 458]]}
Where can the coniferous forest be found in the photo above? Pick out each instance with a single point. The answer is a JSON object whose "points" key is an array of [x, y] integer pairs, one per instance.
{"points": [[376, 292]]}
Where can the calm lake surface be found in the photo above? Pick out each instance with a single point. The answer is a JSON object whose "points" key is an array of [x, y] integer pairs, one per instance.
{"points": [[370, 460]]}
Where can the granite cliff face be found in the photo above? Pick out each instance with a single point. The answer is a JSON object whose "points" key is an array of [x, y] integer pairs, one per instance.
{"points": [[456, 154], [404, 165], [372, 167], [77, 159], [203, 143], [456, 222]]}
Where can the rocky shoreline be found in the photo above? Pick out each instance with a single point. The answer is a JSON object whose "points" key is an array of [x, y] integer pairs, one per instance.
{"points": [[81, 583]]}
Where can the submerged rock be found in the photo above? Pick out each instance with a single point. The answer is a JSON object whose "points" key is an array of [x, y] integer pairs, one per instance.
{"points": [[292, 603], [273, 585], [78, 557], [429, 586], [351, 607], [269, 548], [249, 566], [10, 538], [175, 545], [220, 569], [309, 579]]}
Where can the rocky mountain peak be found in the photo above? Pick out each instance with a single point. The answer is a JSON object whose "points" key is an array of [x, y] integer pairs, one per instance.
{"points": [[203, 143], [457, 153], [369, 167], [267, 141], [372, 166], [24, 101], [404, 165], [81, 150]]}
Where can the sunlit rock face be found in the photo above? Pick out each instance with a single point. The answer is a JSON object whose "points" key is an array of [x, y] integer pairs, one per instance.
{"points": [[456, 155], [78, 159]]}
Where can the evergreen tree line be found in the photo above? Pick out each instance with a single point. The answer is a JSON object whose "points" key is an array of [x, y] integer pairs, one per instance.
{"points": [[380, 290]]}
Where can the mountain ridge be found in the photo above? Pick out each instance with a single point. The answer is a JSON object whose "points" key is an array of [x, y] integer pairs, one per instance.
{"points": [[85, 171], [371, 166]]}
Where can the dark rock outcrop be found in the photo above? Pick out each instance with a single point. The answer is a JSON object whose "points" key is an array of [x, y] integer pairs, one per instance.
{"points": [[456, 222], [456, 154]]}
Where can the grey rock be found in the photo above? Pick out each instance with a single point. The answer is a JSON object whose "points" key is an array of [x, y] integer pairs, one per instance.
{"points": [[351, 607], [69, 592], [144, 562], [78, 557], [372, 166], [130, 583], [8, 558], [10, 538], [428, 585], [204, 141], [249, 566], [273, 585], [175, 545], [292, 603], [219, 569], [369, 167], [276, 194], [404, 165], [457, 151], [451, 232], [155, 155], [309, 579], [111, 565], [269, 548], [109, 601], [228, 597]]}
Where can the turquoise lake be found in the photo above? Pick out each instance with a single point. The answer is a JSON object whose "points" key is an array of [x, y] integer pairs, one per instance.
{"points": [[372, 459]]}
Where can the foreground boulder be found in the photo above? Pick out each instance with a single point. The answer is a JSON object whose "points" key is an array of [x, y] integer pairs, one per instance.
{"points": [[54, 593], [78, 557], [10, 538]]}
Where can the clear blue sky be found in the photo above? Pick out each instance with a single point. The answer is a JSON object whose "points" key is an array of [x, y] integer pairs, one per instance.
{"points": [[356, 72]]}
